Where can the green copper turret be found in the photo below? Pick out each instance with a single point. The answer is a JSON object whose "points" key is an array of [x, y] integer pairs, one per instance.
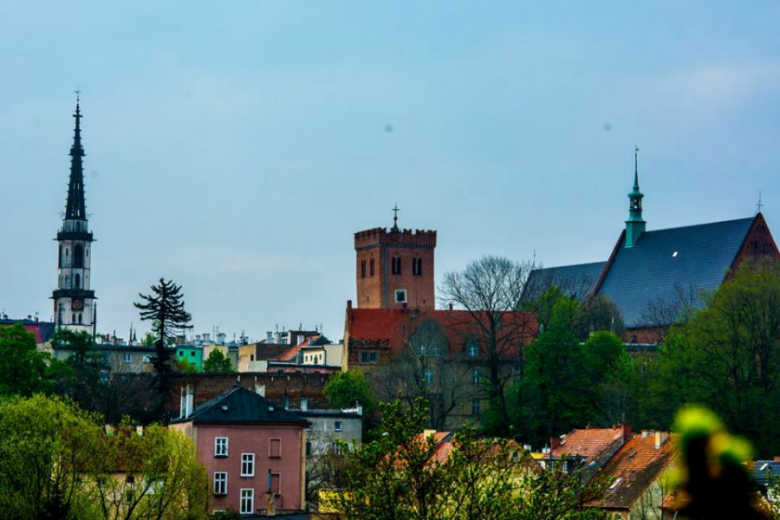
{"points": [[635, 225]]}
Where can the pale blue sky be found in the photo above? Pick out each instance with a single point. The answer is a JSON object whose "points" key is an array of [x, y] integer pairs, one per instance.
{"points": [[237, 146]]}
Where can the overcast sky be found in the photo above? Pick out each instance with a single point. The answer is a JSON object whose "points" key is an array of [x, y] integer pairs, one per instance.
{"points": [[237, 146]]}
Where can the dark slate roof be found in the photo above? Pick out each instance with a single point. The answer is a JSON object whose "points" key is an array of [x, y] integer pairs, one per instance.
{"points": [[241, 405], [665, 262], [574, 280]]}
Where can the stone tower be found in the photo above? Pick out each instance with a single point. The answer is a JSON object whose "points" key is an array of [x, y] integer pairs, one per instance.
{"points": [[74, 301], [395, 268]]}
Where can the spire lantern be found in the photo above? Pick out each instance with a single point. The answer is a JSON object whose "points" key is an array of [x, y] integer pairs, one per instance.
{"points": [[635, 225]]}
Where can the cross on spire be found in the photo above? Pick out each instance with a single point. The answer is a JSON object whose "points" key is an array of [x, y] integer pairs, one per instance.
{"points": [[760, 204], [395, 217]]}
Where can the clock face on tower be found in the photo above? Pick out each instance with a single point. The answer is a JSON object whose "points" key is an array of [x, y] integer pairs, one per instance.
{"points": [[77, 305]]}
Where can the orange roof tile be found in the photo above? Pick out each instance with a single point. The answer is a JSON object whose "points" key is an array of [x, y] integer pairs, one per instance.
{"points": [[588, 443], [634, 468]]}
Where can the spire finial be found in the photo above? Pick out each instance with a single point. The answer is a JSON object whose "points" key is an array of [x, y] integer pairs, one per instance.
{"points": [[636, 167], [760, 204], [395, 217]]}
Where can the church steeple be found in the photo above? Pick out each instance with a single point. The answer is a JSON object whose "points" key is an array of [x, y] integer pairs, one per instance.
{"points": [[635, 225], [74, 300], [75, 208]]}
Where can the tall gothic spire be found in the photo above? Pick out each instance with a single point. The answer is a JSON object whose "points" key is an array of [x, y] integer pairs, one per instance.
{"points": [[635, 225], [76, 207]]}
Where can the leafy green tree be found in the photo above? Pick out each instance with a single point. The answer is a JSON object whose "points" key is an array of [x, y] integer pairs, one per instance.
{"points": [[164, 306], [85, 374], [218, 363], [47, 445], [597, 312], [182, 366], [347, 389], [406, 474], [727, 357], [556, 393], [23, 369], [161, 476]]}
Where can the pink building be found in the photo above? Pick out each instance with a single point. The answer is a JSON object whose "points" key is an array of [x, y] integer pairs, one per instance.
{"points": [[248, 445]]}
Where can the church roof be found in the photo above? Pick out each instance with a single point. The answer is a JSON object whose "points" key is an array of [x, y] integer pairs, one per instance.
{"points": [[668, 264], [574, 280], [664, 267]]}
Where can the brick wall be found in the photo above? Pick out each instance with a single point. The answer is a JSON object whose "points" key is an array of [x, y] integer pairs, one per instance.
{"points": [[381, 246]]}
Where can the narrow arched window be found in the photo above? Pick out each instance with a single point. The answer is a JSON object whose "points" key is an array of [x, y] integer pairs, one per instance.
{"points": [[362, 268], [372, 266], [61, 259], [77, 281], [78, 256]]}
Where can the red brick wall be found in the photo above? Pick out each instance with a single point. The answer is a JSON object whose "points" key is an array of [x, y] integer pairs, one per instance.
{"points": [[378, 291], [758, 243]]}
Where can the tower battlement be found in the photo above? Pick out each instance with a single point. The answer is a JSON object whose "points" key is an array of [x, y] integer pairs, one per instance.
{"points": [[418, 238]]}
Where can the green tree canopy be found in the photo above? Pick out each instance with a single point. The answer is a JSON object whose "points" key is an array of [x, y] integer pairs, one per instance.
{"points": [[57, 462], [727, 357], [404, 474], [218, 363], [346, 389], [23, 369]]}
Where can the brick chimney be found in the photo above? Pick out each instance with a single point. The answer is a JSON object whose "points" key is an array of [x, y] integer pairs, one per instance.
{"points": [[626, 431]]}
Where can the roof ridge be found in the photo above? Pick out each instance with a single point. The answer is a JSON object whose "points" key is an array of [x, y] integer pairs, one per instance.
{"points": [[702, 224]]}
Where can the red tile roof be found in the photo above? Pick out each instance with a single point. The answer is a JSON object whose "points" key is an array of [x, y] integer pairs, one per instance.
{"points": [[588, 443], [634, 468], [395, 326]]}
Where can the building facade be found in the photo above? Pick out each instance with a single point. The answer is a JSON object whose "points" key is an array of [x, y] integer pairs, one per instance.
{"points": [[253, 451], [394, 268], [74, 300]]}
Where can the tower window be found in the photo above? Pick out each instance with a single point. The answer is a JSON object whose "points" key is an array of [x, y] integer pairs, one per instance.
{"points": [[417, 266], [396, 265], [78, 256], [372, 267], [362, 268], [77, 281]]}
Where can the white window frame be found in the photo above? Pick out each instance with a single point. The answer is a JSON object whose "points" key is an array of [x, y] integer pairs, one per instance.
{"points": [[403, 293], [251, 498], [217, 452], [127, 358], [223, 480], [248, 459]]}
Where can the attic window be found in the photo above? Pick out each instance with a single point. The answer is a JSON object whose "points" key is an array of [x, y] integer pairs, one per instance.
{"points": [[615, 484], [224, 408], [674, 255]]}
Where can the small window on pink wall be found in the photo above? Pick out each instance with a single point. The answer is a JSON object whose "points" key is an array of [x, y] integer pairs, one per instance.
{"points": [[275, 448], [276, 484]]}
